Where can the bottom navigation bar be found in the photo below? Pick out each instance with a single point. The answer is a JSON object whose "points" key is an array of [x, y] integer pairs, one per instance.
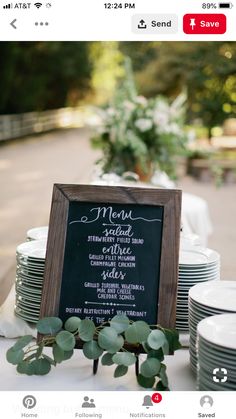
{"points": [[125, 405]]}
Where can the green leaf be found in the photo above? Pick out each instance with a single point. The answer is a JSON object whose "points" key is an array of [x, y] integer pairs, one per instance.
{"points": [[124, 358], [22, 342], [138, 332], [151, 353], [150, 367], [14, 357], [58, 353], [172, 337], [22, 366], [72, 324], [120, 371], [156, 354], [49, 325], [106, 338], [160, 387], [41, 366], [107, 359], [49, 359], [165, 348], [68, 354], [156, 339], [86, 330], [163, 376], [120, 323], [146, 382], [146, 347], [117, 345], [91, 350], [25, 367], [65, 340]]}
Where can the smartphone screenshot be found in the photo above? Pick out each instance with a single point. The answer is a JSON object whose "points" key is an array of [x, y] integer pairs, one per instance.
{"points": [[117, 209]]}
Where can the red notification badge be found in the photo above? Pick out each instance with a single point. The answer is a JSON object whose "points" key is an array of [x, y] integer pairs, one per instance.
{"points": [[156, 397]]}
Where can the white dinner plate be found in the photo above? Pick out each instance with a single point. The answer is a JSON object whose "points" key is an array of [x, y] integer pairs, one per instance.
{"points": [[215, 294], [219, 330], [193, 268], [217, 348], [199, 274], [35, 249], [198, 256], [25, 295], [26, 262], [38, 233]]}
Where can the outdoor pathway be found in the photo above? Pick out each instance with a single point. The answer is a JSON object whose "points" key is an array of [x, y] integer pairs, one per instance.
{"points": [[28, 170]]}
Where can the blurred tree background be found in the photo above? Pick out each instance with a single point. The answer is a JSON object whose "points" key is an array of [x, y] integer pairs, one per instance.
{"points": [[43, 75], [47, 75]]}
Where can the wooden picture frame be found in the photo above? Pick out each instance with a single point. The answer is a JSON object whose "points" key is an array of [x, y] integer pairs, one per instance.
{"points": [[168, 200]]}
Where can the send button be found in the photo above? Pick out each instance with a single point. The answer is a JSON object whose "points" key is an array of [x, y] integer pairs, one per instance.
{"points": [[155, 24]]}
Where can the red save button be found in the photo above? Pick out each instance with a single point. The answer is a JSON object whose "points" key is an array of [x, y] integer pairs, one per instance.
{"points": [[204, 24]]}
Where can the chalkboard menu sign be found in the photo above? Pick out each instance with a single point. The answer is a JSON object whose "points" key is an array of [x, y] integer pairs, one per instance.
{"points": [[112, 261], [112, 250]]}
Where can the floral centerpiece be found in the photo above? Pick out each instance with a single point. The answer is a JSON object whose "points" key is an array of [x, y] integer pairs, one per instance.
{"points": [[141, 135]]}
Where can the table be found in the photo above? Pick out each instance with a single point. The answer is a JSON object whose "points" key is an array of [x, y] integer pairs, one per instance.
{"points": [[76, 375]]}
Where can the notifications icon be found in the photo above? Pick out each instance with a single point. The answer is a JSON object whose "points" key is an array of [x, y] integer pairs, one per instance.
{"points": [[147, 402]]}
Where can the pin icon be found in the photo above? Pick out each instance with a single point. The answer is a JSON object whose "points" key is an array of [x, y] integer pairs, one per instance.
{"points": [[29, 402]]}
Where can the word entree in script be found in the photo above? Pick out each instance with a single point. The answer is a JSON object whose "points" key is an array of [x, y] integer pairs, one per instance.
{"points": [[112, 216]]}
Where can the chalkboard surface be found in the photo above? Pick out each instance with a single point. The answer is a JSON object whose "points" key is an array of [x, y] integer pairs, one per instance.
{"points": [[112, 261]]}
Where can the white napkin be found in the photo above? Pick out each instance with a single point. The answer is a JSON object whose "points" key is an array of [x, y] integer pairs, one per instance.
{"points": [[10, 325]]}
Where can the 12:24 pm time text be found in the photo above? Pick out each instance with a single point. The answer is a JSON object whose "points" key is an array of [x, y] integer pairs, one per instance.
{"points": [[119, 5]]}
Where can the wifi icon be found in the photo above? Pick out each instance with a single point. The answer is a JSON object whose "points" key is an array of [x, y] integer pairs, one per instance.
{"points": [[38, 5]]}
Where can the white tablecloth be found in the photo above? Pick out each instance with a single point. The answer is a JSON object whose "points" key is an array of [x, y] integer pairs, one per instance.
{"points": [[195, 212], [196, 218], [76, 374]]}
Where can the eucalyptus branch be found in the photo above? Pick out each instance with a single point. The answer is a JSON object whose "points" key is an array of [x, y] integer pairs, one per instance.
{"points": [[117, 341]]}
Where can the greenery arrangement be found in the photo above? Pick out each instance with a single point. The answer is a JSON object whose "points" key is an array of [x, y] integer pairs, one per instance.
{"points": [[108, 341], [139, 134]]}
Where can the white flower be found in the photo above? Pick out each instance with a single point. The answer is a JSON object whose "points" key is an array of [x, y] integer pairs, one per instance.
{"points": [[175, 129], [111, 111], [130, 106], [172, 128], [161, 119], [162, 106], [141, 100], [143, 124]]}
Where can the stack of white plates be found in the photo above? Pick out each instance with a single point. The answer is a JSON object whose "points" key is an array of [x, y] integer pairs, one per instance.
{"points": [[196, 265], [217, 353], [37, 233], [205, 300], [30, 257]]}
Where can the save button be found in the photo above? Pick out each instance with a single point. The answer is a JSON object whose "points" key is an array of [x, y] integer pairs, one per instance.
{"points": [[204, 24]]}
